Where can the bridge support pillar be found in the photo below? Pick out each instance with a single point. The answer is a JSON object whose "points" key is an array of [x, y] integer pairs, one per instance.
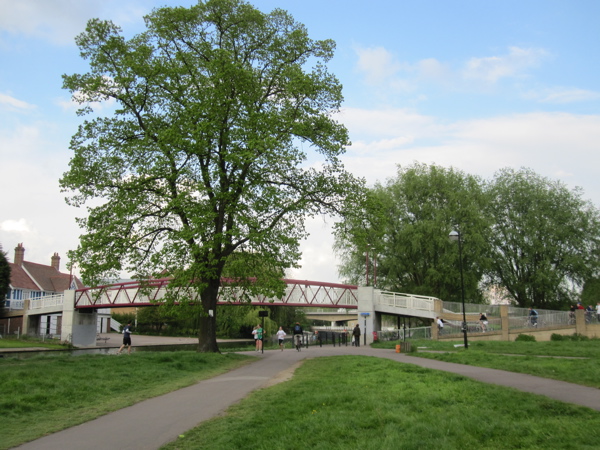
{"points": [[368, 320], [80, 325], [31, 323]]}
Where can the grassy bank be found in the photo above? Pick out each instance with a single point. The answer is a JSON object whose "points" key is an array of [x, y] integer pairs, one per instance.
{"points": [[27, 342], [360, 402], [45, 394], [573, 361]]}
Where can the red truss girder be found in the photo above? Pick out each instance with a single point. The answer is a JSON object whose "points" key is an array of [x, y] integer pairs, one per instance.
{"points": [[298, 293]]}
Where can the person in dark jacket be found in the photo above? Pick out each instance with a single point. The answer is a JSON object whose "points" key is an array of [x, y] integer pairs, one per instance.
{"points": [[356, 335]]}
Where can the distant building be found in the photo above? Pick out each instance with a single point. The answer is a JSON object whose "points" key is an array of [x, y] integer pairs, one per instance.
{"points": [[31, 281]]}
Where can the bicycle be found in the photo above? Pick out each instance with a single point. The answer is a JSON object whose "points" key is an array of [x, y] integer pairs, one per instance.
{"points": [[298, 341]]}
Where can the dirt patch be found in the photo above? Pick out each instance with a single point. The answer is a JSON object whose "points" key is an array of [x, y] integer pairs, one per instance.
{"points": [[284, 375]]}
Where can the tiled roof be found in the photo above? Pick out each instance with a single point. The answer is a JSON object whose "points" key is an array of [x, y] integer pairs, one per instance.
{"points": [[19, 278], [47, 277]]}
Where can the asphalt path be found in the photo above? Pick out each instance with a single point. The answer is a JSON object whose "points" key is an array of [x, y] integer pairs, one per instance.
{"points": [[157, 421]]}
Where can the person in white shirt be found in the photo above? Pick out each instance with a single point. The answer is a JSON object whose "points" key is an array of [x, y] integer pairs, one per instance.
{"points": [[440, 325], [281, 335]]}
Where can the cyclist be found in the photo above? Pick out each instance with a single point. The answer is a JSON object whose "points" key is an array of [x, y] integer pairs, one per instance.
{"points": [[483, 320], [298, 332], [533, 317]]}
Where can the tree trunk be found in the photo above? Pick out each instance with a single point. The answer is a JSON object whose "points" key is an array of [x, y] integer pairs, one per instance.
{"points": [[207, 320]]}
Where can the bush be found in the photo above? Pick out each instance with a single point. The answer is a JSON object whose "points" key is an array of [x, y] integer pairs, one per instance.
{"points": [[579, 337], [525, 338], [574, 337]]}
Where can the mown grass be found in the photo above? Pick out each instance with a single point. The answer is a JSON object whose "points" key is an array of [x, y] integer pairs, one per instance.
{"points": [[369, 403], [44, 394], [26, 342], [549, 359]]}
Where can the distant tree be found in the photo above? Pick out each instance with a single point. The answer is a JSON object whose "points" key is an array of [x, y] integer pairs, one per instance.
{"points": [[406, 223], [205, 152], [545, 239], [590, 295], [4, 277]]}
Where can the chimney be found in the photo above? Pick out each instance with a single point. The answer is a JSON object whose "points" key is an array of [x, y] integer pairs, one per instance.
{"points": [[55, 261], [19, 254]]}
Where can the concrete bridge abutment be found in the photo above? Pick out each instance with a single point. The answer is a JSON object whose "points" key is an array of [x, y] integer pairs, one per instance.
{"points": [[79, 324]]}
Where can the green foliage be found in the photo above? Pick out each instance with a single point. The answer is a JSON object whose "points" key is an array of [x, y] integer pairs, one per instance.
{"points": [[574, 337], [406, 223], [525, 338], [545, 239], [124, 318], [202, 166], [532, 237], [4, 277], [590, 294]]}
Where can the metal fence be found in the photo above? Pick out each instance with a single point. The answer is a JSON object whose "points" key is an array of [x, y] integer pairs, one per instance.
{"points": [[401, 334]]}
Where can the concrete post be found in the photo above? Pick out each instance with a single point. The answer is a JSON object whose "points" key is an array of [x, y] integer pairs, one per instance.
{"points": [[504, 322], [366, 305], [31, 323], [78, 326], [580, 326]]}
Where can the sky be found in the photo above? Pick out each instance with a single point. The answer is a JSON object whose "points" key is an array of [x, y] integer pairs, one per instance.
{"points": [[474, 85]]}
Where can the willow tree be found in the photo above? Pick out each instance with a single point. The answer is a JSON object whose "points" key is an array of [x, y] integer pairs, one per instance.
{"points": [[405, 226], [220, 142], [545, 240]]}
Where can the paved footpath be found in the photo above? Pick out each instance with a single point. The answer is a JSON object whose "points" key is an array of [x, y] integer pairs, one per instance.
{"points": [[157, 421]]}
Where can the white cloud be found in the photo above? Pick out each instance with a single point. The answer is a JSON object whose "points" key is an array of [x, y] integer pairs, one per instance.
{"points": [[19, 225], [560, 95], [557, 145], [13, 103], [59, 21], [377, 64], [493, 68]]}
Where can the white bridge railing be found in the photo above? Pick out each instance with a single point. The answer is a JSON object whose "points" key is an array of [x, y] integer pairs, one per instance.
{"points": [[298, 293], [407, 301], [47, 302]]}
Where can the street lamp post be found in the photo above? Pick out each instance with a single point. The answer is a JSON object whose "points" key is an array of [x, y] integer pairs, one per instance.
{"points": [[456, 236]]}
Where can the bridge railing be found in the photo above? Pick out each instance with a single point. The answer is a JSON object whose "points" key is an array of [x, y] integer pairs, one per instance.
{"points": [[301, 293], [15, 304], [408, 301], [48, 301]]}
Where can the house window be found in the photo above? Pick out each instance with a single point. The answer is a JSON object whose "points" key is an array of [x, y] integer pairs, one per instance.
{"points": [[35, 294], [15, 294]]}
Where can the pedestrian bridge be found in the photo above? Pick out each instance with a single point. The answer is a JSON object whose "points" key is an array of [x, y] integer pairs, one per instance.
{"points": [[340, 301]]}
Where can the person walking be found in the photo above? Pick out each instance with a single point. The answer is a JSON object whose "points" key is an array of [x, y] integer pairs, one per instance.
{"points": [[258, 336], [255, 336], [126, 339], [598, 311], [440, 325], [281, 336], [356, 335]]}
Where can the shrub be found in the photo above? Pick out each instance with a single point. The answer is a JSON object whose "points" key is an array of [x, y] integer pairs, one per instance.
{"points": [[579, 337], [525, 338], [558, 337]]}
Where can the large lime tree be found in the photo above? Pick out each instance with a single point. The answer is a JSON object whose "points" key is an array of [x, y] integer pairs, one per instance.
{"points": [[220, 142]]}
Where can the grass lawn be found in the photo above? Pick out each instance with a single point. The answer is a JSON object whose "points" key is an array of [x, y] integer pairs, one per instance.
{"points": [[349, 402], [28, 343], [48, 393], [550, 359]]}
